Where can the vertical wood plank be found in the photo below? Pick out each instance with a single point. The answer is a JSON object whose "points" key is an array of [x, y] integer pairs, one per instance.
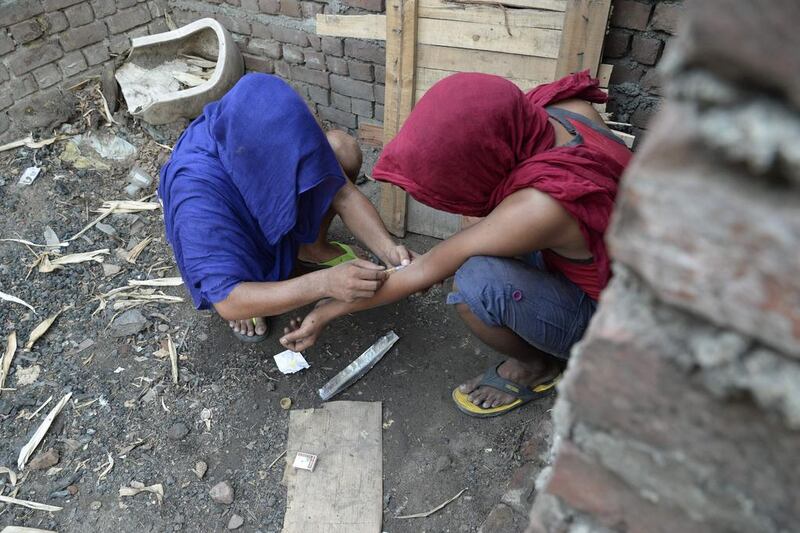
{"points": [[582, 36], [401, 37]]}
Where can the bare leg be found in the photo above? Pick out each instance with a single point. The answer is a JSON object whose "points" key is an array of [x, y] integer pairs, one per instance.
{"points": [[349, 155], [526, 365]]}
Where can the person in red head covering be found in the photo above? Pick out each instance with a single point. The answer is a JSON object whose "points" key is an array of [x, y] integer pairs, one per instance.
{"points": [[537, 173]]}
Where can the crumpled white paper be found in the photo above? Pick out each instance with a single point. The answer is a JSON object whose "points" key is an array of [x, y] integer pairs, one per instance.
{"points": [[290, 362]]}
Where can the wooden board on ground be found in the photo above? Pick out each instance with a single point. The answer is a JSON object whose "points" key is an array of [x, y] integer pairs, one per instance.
{"points": [[344, 493], [428, 221]]}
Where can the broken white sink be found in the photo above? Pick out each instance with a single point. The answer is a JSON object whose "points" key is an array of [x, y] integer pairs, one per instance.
{"points": [[148, 78]]}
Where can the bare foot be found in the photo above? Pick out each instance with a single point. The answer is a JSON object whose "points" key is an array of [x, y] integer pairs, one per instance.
{"points": [[246, 327], [513, 370]]}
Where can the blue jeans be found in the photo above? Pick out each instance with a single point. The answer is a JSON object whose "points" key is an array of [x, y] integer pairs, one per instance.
{"points": [[546, 309]]}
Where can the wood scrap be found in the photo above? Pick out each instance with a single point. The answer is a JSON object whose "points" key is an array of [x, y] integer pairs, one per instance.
{"points": [[30, 505], [199, 61], [10, 298], [49, 265], [108, 466], [435, 509], [21, 529], [27, 450], [136, 251], [173, 357], [127, 206], [136, 487], [31, 143], [33, 244], [161, 282], [190, 80], [41, 329], [106, 110], [11, 348], [347, 438]]}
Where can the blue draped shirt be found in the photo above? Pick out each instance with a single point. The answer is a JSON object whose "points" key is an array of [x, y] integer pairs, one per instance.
{"points": [[249, 181]]}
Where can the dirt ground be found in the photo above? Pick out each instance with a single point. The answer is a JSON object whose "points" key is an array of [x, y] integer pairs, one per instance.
{"points": [[124, 405]]}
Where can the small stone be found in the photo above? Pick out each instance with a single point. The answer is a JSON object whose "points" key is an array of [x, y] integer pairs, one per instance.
{"points": [[286, 403], [270, 386], [45, 460], [200, 468], [95, 505], [130, 322], [178, 431], [443, 463], [163, 328], [222, 493], [73, 490], [235, 522]]}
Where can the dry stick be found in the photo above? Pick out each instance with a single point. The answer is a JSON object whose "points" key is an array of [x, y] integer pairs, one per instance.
{"points": [[11, 348], [435, 509], [27, 450], [30, 505], [105, 107], [276, 460], [36, 412], [173, 357]]}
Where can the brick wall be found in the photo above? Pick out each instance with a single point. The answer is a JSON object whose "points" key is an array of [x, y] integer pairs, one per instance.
{"points": [[342, 79], [639, 32], [46, 45], [680, 410]]}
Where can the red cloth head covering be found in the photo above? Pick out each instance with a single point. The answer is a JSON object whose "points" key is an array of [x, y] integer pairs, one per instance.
{"points": [[474, 139]]}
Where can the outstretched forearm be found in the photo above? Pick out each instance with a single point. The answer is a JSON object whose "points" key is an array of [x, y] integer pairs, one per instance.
{"points": [[271, 298]]}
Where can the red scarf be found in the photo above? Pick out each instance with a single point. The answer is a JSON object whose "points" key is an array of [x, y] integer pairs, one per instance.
{"points": [[473, 139]]}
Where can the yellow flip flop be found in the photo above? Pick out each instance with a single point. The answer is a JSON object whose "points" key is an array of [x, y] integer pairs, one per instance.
{"points": [[521, 393], [348, 254], [254, 338]]}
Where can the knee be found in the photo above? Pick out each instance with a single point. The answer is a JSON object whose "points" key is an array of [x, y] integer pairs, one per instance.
{"points": [[481, 284], [347, 151]]}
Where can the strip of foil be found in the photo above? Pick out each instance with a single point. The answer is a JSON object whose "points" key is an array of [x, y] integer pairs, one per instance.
{"points": [[355, 370]]}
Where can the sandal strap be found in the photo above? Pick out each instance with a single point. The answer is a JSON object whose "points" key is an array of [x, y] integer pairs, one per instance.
{"points": [[492, 379]]}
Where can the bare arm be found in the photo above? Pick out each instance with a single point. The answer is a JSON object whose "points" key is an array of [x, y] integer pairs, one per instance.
{"points": [[363, 220], [525, 221], [346, 283]]}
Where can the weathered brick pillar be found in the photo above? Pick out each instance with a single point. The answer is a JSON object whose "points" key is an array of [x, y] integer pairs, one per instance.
{"points": [[681, 408]]}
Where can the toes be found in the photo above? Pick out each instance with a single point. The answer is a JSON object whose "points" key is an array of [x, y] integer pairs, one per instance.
{"points": [[251, 328], [261, 326]]}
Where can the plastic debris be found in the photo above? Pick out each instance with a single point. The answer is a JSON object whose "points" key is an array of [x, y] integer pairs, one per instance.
{"points": [[290, 362], [29, 175]]}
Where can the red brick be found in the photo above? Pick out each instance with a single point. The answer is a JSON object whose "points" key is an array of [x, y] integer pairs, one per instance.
{"points": [[103, 8], [590, 488], [291, 8], [626, 72], [651, 82], [292, 54], [358, 49], [351, 87], [290, 36], [617, 43], [333, 46], [47, 75], [30, 57], [129, 18], [6, 43], [369, 5], [260, 31], [337, 65], [258, 64], [19, 11], [630, 14], [360, 71], [55, 22], [337, 116], [96, 54], [270, 7], [314, 77], [646, 50], [380, 74], [311, 9], [666, 17], [315, 60], [79, 14], [77, 38], [26, 31], [362, 108]]}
